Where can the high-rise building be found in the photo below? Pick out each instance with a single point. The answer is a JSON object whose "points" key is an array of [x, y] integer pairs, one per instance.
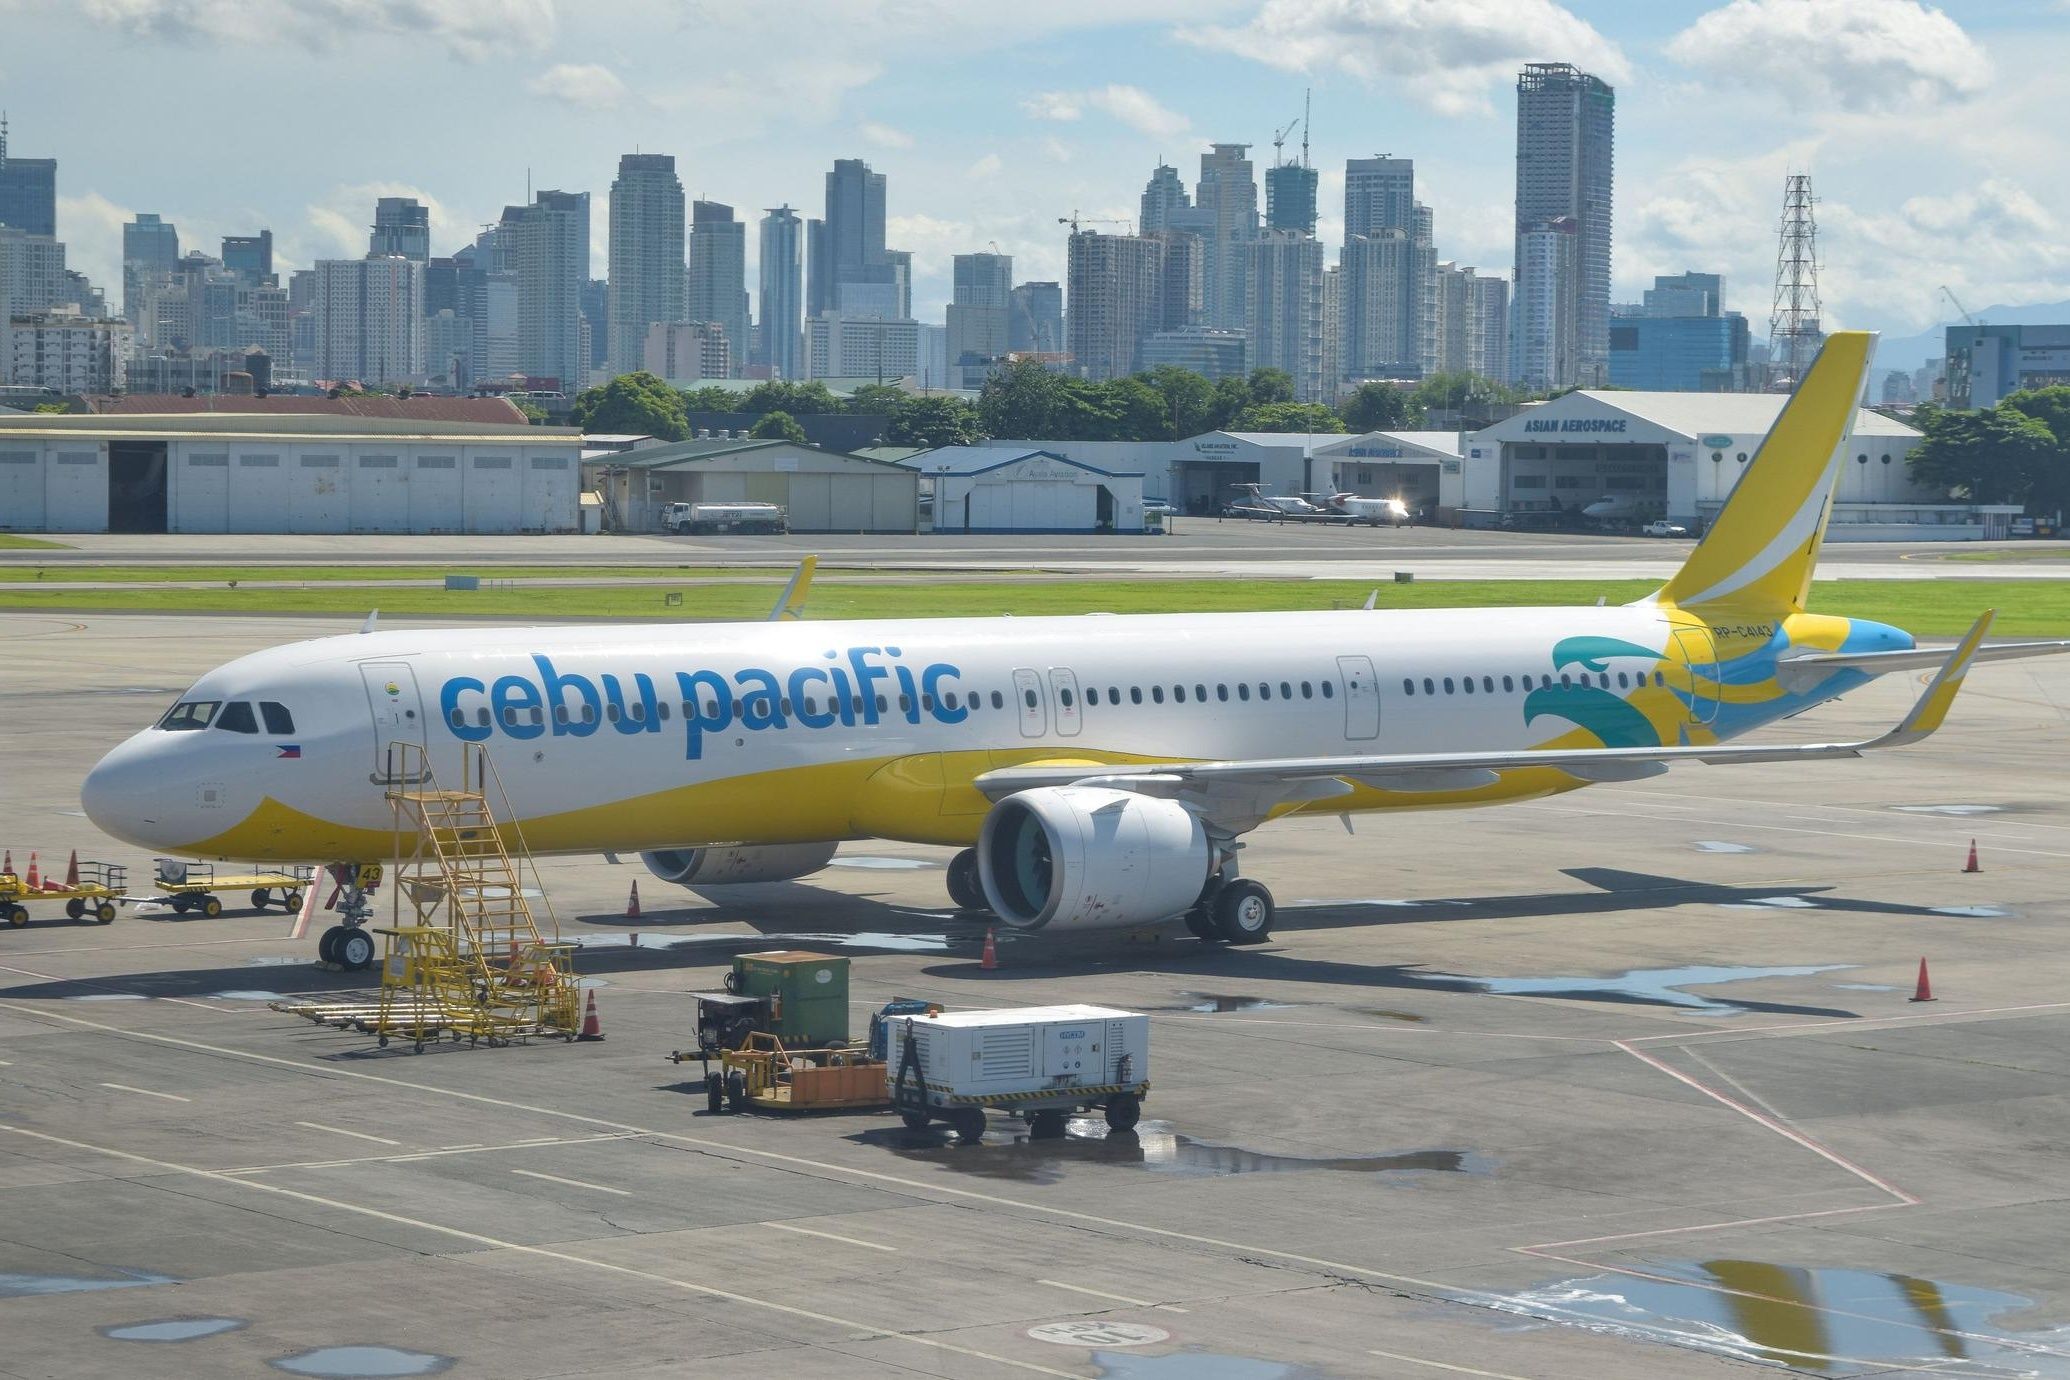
{"points": [[1035, 321], [1566, 122], [549, 254], [32, 272], [67, 352], [1379, 194], [870, 347], [250, 258], [1425, 269], [847, 247], [782, 306], [1681, 339], [1380, 306], [1211, 353], [1164, 198], [1685, 294], [28, 191], [369, 320], [646, 263], [596, 324], [1227, 195], [685, 350], [1182, 294], [981, 302], [1290, 197], [1286, 310], [1116, 297], [901, 261], [718, 275], [402, 228], [1472, 322], [1488, 343], [150, 249]]}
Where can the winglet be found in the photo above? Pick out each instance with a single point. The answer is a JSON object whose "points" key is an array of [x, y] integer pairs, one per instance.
{"points": [[790, 605], [1932, 708]]}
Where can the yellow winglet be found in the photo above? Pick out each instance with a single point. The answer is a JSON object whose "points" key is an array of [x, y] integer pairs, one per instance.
{"points": [[790, 605], [1927, 715]]}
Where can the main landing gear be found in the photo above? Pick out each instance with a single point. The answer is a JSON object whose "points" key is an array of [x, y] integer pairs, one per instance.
{"points": [[965, 889], [1232, 910]]}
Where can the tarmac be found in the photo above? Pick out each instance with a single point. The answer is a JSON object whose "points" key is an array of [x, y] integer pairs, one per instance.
{"points": [[1617, 1086]]}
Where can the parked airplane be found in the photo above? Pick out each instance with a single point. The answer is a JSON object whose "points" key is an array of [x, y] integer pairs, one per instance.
{"points": [[1371, 511], [1095, 772], [1251, 501]]}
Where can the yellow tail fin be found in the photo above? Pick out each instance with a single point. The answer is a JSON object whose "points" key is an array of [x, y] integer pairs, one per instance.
{"points": [[1760, 551]]}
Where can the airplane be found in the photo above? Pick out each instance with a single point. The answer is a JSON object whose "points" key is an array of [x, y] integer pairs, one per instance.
{"points": [[1371, 511], [1093, 772], [1252, 501], [1613, 508]]}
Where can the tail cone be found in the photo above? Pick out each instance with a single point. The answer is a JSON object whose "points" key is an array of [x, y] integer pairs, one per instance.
{"points": [[1924, 992]]}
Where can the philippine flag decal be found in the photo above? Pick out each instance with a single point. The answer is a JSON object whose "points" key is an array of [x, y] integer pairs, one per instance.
{"points": [[288, 750]]}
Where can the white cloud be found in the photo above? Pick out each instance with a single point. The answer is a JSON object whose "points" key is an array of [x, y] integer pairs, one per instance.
{"points": [[885, 136], [583, 86], [1885, 55], [91, 227], [470, 29], [1131, 105], [988, 166], [337, 227], [1445, 55]]}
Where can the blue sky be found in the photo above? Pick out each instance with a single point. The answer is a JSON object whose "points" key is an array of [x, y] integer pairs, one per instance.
{"points": [[1933, 136]]}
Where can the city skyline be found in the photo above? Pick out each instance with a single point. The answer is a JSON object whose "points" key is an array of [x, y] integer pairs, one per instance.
{"points": [[1095, 98]]}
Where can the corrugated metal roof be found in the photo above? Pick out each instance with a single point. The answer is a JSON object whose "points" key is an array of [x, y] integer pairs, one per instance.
{"points": [[476, 411], [691, 452], [1693, 414], [288, 427], [980, 459]]}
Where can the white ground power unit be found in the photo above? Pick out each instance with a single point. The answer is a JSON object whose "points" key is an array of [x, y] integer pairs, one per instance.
{"points": [[1043, 1062]]}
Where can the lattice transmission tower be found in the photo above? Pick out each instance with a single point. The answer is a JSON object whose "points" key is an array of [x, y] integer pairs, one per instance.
{"points": [[1794, 332]]}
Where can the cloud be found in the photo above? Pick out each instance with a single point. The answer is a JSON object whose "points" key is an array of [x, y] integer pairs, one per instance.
{"points": [[885, 136], [1444, 55], [581, 85], [469, 29], [1131, 105], [1889, 55], [337, 227], [988, 166], [91, 227]]}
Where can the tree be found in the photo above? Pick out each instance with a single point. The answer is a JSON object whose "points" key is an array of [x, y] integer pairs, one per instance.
{"points": [[1999, 455], [636, 404], [777, 426], [1379, 407], [1023, 399], [2050, 491], [934, 421], [1271, 386], [1287, 416], [1231, 397], [877, 400], [55, 407], [1474, 397], [1189, 400], [798, 399], [535, 415], [711, 398]]}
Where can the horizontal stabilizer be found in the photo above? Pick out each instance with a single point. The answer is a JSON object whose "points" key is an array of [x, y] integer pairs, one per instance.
{"points": [[1802, 672]]}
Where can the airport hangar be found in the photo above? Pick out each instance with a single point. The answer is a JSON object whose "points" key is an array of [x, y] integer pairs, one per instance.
{"points": [[1678, 456], [819, 490], [242, 472], [993, 489]]}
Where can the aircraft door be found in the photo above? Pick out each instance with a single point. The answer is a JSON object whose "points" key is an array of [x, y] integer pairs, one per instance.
{"points": [[392, 698], [1027, 693], [1361, 697], [1700, 654], [1064, 686]]}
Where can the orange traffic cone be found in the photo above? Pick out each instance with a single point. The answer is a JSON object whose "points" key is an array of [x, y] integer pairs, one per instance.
{"points": [[1924, 992], [35, 882], [7, 863], [632, 902], [1971, 865], [72, 870], [990, 960], [592, 1029]]}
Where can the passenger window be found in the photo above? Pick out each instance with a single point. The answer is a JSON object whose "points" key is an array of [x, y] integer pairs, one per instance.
{"points": [[1200, 692], [560, 713], [812, 704], [185, 718], [1408, 686], [1488, 684], [510, 718], [1566, 680], [1243, 691], [1026, 695], [949, 699], [1264, 689], [1135, 694], [459, 718], [237, 717], [589, 713], [1448, 685], [1157, 694], [998, 700], [636, 712], [1623, 680], [1063, 697], [926, 703], [1604, 679], [663, 707], [1179, 694], [1429, 686], [1508, 685], [538, 718], [1222, 693], [1286, 690], [481, 716], [1660, 678], [883, 705], [611, 712], [277, 718], [783, 704], [1327, 691], [1467, 684], [1307, 691]]}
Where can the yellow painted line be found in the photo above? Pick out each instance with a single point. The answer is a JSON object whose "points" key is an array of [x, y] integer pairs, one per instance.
{"points": [[1103, 1294], [341, 1131], [829, 1236], [572, 1183], [1441, 1365], [546, 1253], [146, 1092]]}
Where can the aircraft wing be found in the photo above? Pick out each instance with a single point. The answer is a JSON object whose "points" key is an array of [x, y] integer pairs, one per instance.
{"points": [[1799, 672], [1238, 795]]}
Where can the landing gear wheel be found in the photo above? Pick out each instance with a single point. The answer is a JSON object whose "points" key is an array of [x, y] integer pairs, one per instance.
{"points": [[1124, 1112], [1202, 925], [714, 1093], [968, 1123], [261, 897], [104, 913], [75, 907], [965, 889], [327, 944], [1243, 912], [211, 907], [737, 1091], [1046, 1126], [354, 949], [915, 1121]]}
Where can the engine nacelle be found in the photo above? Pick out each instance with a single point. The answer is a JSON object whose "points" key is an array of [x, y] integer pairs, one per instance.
{"points": [[1090, 857], [768, 862]]}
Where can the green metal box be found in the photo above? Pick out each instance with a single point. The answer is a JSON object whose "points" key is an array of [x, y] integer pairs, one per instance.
{"points": [[808, 994]]}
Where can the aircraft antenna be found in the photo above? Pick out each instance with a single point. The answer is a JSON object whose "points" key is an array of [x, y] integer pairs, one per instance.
{"points": [[1794, 332]]}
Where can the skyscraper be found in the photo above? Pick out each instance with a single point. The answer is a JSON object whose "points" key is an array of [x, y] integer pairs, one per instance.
{"points": [[150, 249], [1290, 197], [549, 254], [369, 320], [1035, 322], [1379, 194], [250, 257], [402, 227], [1227, 195], [1379, 306], [718, 275], [1286, 310], [782, 252], [1566, 123], [848, 246], [977, 319], [646, 265], [1116, 287], [28, 191], [1164, 196]]}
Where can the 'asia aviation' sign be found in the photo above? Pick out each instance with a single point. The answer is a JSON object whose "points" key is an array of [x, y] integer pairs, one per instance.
{"points": [[1584, 425]]}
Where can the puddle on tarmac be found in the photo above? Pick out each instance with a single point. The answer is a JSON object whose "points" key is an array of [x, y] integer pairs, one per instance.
{"points": [[1216, 1001], [1866, 987], [1949, 809], [1194, 1365], [16, 1286], [354, 1362], [1650, 986], [1720, 846], [247, 995], [108, 996], [1817, 1321], [281, 961], [884, 864], [904, 943], [1382, 1013], [172, 1329], [1007, 1152]]}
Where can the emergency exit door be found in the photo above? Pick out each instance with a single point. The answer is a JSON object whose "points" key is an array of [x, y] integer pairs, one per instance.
{"points": [[1361, 697]]}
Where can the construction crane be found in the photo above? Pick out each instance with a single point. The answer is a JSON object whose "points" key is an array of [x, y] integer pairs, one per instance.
{"points": [[1074, 220], [1956, 302], [1279, 142]]}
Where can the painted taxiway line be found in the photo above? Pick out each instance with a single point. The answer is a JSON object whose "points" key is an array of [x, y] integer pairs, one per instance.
{"points": [[1115, 1298], [341, 1131], [829, 1236], [1444, 1365], [146, 1092], [573, 1183]]}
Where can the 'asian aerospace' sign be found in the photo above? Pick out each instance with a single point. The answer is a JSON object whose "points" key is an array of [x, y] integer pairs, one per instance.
{"points": [[1587, 425]]}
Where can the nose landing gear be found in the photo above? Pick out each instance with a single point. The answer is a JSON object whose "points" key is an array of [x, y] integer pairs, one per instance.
{"points": [[348, 945]]}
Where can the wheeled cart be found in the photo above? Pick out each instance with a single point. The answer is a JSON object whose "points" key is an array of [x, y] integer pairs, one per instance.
{"points": [[1044, 1062], [197, 886], [93, 896]]}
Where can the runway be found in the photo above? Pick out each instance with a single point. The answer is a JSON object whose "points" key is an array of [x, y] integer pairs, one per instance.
{"points": [[1624, 1084]]}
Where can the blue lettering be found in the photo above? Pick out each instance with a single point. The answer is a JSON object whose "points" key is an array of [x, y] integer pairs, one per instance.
{"points": [[700, 715], [762, 705], [515, 701], [649, 720], [911, 693], [566, 722], [930, 681], [455, 716], [865, 676], [800, 678], [844, 695]]}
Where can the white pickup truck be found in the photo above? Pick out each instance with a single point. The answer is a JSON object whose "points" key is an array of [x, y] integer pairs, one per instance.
{"points": [[1661, 527], [724, 517]]}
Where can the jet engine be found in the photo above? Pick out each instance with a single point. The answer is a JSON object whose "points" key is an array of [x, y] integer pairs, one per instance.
{"points": [[1091, 857], [722, 866]]}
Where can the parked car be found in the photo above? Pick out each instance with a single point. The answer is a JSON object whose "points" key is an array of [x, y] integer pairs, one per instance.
{"points": [[1661, 527]]}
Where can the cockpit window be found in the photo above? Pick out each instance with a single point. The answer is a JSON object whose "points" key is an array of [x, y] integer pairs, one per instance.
{"points": [[237, 717], [278, 720], [189, 715]]}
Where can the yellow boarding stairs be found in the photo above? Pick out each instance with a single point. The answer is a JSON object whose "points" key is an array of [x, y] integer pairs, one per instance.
{"points": [[465, 956]]}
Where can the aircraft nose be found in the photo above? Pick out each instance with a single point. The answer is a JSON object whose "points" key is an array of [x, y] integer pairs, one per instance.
{"points": [[125, 795]]}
